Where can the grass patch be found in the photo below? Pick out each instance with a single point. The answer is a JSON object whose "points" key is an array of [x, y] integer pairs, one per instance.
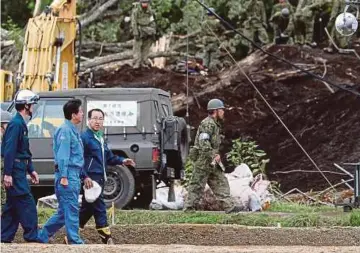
{"points": [[303, 216], [298, 208]]}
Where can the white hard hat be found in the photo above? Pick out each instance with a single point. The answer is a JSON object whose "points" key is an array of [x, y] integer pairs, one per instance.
{"points": [[26, 97], [93, 193]]}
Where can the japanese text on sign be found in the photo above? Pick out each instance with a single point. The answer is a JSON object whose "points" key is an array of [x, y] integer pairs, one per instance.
{"points": [[117, 113]]}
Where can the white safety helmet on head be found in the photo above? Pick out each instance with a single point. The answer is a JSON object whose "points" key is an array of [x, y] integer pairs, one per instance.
{"points": [[93, 193], [26, 97]]}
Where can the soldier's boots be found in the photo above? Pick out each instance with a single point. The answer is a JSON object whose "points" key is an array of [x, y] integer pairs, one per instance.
{"points": [[105, 235]]}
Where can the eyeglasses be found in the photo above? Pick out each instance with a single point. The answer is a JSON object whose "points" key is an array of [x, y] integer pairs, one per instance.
{"points": [[97, 119]]}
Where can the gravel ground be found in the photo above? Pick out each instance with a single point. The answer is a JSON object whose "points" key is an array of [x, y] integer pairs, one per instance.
{"points": [[25, 248], [221, 235]]}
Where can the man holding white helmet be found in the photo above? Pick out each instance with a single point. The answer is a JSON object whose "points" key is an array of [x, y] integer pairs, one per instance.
{"points": [[97, 156], [20, 205]]}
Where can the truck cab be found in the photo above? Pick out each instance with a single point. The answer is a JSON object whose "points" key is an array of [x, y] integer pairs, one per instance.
{"points": [[139, 124]]}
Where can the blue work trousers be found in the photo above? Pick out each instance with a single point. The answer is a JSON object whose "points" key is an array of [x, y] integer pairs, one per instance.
{"points": [[68, 210], [19, 209], [97, 208]]}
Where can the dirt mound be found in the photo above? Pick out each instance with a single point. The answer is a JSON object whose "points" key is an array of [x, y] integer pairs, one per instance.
{"points": [[325, 123]]}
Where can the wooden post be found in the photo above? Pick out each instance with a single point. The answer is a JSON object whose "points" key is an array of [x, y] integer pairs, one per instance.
{"points": [[113, 213]]}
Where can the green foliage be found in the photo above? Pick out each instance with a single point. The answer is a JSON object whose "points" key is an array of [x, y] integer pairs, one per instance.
{"points": [[247, 152], [355, 219], [16, 33], [191, 16], [19, 11], [299, 208], [104, 31]]}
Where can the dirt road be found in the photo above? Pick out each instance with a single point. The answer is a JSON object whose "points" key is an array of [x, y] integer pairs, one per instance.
{"points": [[221, 235], [152, 248]]}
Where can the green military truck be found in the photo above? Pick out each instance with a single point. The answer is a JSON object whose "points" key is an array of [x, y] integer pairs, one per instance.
{"points": [[139, 124]]}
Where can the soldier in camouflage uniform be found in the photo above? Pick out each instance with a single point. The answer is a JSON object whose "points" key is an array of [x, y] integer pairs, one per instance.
{"points": [[255, 23], [5, 119], [282, 21], [144, 30], [341, 41], [304, 21], [205, 155], [211, 50]]}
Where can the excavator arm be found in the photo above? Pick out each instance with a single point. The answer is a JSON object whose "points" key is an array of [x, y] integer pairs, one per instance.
{"points": [[48, 56]]}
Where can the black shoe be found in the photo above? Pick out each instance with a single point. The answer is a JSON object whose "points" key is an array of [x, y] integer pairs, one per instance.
{"points": [[105, 235]]}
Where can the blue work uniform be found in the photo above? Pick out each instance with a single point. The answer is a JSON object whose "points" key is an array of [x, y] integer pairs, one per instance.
{"points": [[97, 157], [69, 160], [20, 206]]}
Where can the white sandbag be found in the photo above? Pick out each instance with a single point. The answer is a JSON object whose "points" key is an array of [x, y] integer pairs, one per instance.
{"points": [[240, 190], [161, 201], [51, 201]]}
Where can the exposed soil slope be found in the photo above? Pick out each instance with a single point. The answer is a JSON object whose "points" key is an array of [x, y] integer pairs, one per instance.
{"points": [[326, 124]]}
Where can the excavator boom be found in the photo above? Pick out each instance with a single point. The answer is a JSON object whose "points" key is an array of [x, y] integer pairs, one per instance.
{"points": [[48, 56]]}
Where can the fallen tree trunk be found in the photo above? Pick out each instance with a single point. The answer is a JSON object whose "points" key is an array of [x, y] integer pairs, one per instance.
{"points": [[248, 65], [98, 61], [7, 43], [93, 46]]}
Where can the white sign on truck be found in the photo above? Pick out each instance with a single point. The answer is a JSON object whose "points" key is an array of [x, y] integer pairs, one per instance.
{"points": [[117, 113]]}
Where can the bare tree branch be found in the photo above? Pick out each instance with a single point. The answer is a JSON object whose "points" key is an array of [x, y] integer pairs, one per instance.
{"points": [[96, 12]]}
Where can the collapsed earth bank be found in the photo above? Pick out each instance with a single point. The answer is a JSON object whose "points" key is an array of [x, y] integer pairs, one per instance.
{"points": [[325, 123]]}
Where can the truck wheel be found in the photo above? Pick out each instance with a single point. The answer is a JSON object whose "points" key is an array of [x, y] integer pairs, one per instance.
{"points": [[119, 187]]}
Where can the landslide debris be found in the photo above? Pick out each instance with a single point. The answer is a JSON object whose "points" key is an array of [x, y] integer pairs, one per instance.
{"points": [[325, 123]]}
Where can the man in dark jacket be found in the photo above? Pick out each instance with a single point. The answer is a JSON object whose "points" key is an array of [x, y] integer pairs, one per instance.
{"points": [[20, 206], [97, 156]]}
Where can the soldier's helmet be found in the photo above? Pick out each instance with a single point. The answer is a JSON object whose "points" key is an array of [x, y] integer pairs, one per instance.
{"points": [[26, 97], [215, 104], [285, 12], [5, 116], [210, 12], [144, 1]]}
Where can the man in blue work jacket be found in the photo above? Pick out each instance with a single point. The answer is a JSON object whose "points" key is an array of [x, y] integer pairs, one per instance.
{"points": [[69, 160], [20, 205], [97, 156]]}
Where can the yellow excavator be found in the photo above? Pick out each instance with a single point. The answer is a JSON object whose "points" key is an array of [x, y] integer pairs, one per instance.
{"points": [[48, 59]]}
